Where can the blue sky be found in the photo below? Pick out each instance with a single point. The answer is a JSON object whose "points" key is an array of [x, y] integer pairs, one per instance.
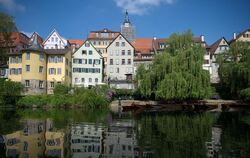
{"points": [[75, 18]]}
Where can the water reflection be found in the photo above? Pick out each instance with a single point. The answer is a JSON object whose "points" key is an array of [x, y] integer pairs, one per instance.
{"points": [[78, 134]]}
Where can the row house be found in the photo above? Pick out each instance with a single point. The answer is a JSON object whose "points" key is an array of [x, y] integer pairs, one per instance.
{"points": [[87, 66], [217, 48], [241, 37], [101, 39], [120, 67], [144, 52], [38, 69], [18, 41]]}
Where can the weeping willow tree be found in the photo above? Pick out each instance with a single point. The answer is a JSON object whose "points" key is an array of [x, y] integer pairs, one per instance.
{"points": [[234, 70], [177, 73]]}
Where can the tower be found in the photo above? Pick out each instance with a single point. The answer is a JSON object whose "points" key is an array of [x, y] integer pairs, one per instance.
{"points": [[127, 29]]}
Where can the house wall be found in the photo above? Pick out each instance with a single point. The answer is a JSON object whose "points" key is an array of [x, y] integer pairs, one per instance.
{"points": [[78, 76], [115, 53]]}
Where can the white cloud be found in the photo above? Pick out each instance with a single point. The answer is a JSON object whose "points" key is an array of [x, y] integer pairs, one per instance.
{"points": [[11, 5], [140, 7]]}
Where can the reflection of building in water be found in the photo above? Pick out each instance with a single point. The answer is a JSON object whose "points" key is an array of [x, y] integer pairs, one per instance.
{"points": [[86, 140], [120, 140], [34, 140], [56, 144], [28, 142], [214, 146]]}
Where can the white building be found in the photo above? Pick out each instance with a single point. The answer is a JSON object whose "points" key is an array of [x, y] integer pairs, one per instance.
{"points": [[120, 67], [55, 41], [87, 66], [219, 47]]}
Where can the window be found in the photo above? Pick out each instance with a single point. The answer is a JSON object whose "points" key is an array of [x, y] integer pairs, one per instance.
{"points": [[117, 70], [129, 52], [117, 52], [27, 83], [27, 68], [123, 52], [123, 44], [90, 80], [117, 44], [52, 84], [90, 52], [97, 62], [117, 61], [123, 61], [87, 44], [129, 61], [52, 71], [40, 69], [52, 39], [84, 52], [56, 39], [40, 84], [28, 56], [111, 70], [111, 62], [76, 80], [25, 147], [96, 80], [83, 80], [94, 43], [59, 71], [90, 61]]}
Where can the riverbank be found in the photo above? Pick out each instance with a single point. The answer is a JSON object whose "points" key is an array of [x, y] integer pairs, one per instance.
{"points": [[208, 104]]}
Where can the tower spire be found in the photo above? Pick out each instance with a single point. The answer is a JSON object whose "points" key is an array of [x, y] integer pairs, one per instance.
{"points": [[126, 17]]}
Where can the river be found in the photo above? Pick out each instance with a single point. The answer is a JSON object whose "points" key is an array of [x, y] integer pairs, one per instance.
{"points": [[102, 133]]}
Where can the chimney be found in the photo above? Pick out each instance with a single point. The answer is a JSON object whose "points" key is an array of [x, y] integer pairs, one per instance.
{"points": [[202, 38], [235, 36]]}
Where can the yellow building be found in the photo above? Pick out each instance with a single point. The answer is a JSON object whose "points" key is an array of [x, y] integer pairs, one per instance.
{"points": [[58, 68], [39, 70]]}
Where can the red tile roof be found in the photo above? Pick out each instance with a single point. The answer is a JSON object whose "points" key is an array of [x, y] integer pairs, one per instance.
{"points": [[17, 38], [76, 41], [143, 45]]}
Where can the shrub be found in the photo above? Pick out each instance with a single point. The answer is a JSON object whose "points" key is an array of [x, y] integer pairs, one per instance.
{"points": [[33, 100]]}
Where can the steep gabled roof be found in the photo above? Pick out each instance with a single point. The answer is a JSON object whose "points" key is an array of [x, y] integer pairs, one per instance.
{"points": [[216, 44], [124, 38], [35, 45], [62, 39], [39, 38], [91, 46]]}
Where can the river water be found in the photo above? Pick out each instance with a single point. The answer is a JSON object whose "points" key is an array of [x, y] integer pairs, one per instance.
{"points": [[102, 133]]}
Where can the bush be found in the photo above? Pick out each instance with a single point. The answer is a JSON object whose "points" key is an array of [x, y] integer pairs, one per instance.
{"points": [[245, 94], [33, 100], [61, 89]]}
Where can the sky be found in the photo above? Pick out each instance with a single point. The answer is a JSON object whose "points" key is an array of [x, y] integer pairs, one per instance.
{"points": [[74, 19]]}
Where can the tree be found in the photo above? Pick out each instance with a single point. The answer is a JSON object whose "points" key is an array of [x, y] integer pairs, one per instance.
{"points": [[234, 70], [7, 26], [176, 74]]}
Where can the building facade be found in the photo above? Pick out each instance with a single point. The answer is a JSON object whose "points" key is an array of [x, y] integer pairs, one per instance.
{"points": [[59, 68], [100, 40], [120, 67], [217, 48], [55, 41], [87, 66], [36, 68]]}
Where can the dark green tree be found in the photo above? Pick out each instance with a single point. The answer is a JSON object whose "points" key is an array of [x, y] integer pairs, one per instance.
{"points": [[234, 71], [176, 74]]}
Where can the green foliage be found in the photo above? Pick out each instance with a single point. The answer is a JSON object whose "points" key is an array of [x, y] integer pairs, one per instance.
{"points": [[61, 89], [234, 70], [176, 74], [33, 100], [245, 93], [9, 91]]}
